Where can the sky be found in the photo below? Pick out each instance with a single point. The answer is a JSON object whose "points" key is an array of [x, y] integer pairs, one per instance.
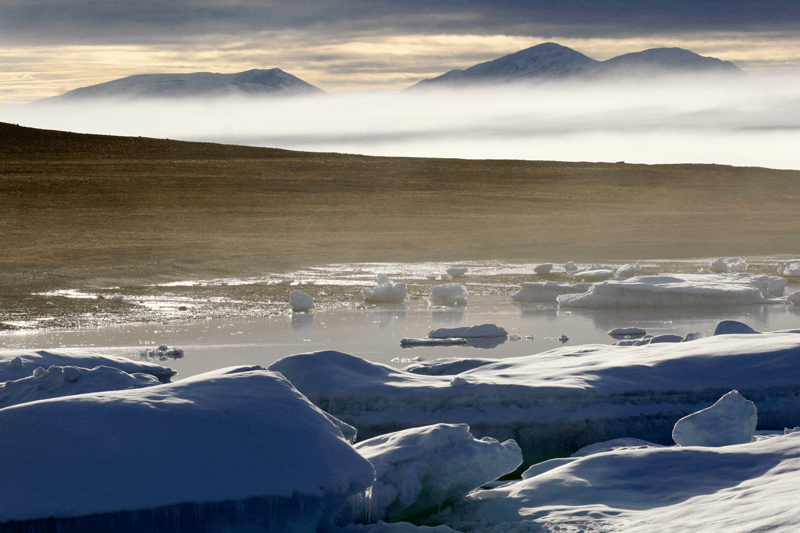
{"points": [[48, 47]]}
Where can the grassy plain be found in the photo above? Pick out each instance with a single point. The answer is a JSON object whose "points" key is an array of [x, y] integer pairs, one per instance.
{"points": [[81, 210]]}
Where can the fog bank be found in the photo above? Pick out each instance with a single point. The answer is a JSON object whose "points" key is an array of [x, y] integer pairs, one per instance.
{"points": [[751, 120]]}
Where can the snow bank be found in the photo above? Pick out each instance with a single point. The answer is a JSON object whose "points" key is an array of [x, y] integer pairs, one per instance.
{"points": [[672, 290], [449, 295], [730, 264], [385, 292], [468, 332], [555, 402], [238, 446], [420, 470], [736, 489], [58, 381], [18, 364], [731, 420], [546, 291], [300, 301]]}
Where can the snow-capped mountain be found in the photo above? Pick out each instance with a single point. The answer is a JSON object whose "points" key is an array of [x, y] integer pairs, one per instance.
{"points": [[553, 61], [256, 82]]}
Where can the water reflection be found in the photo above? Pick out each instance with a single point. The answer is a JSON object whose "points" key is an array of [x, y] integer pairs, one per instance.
{"points": [[385, 315], [486, 343], [302, 321], [447, 315]]}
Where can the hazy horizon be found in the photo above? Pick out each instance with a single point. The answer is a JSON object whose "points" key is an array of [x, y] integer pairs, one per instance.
{"points": [[744, 121]]}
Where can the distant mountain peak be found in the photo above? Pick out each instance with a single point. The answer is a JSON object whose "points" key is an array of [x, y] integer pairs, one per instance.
{"points": [[554, 61], [254, 82]]}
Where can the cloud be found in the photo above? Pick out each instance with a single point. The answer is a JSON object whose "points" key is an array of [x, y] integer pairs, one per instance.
{"points": [[160, 21]]}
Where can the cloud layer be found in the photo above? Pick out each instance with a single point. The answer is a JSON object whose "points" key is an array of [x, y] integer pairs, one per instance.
{"points": [[753, 122]]}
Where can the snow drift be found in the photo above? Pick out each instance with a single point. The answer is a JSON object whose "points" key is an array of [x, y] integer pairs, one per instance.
{"points": [[234, 446]]}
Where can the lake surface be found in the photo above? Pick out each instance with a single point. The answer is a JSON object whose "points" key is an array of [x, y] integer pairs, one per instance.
{"points": [[343, 322]]}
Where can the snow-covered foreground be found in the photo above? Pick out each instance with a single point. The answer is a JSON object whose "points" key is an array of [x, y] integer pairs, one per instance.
{"points": [[237, 444], [734, 489], [555, 402]]}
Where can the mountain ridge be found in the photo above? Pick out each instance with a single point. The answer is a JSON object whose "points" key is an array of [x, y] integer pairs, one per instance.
{"points": [[550, 60], [254, 82]]}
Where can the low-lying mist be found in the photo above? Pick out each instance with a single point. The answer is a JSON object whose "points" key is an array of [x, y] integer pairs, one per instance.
{"points": [[751, 120]]}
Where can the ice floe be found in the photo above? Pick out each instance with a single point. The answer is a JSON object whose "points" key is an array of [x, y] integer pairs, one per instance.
{"points": [[161, 353], [18, 364], [789, 268], [300, 301], [544, 268], [448, 295], [420, 470], [627, 271], [673, 290], [728, 264], [546, 291], [455, 272], [469, 332], [731, 420], [234, 448], [555, 402], [386, 291]]}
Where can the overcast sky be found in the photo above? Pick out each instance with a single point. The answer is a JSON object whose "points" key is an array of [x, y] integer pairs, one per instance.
{"points": [[50, 46]]}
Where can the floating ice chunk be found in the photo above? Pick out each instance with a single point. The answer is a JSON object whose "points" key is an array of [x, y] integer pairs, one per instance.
{"points": [[730, 264], [563, 338], [18, 364], [627, 332], [449, 295], [794, 298], [672, 290], [58, 381], [405, 342], [789, 268], [544, 268], [601, 273], [242, 446], [423, 469], [281, 283], [117, 298], [300, 301], [457, 271], [667, 337], [386, 291], [776, 285], [570, 267], [732, 420], [627, 271], [732, 327], [162, 353], [546, 291], [467, 332]]}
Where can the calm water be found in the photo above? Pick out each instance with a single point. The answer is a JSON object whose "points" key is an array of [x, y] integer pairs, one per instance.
{"points": [[346, 324]]}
